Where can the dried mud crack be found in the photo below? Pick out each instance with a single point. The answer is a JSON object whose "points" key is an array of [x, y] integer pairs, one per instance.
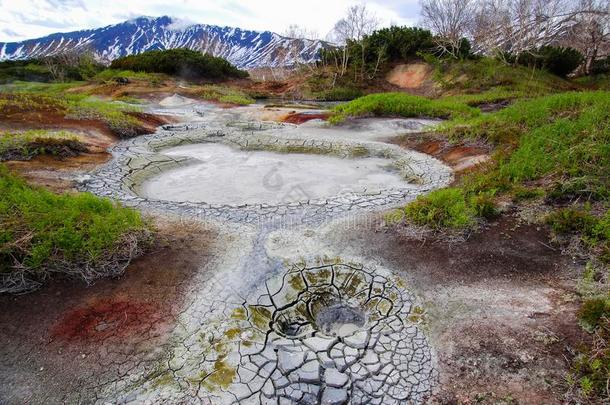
{"points": [[331, 334]]}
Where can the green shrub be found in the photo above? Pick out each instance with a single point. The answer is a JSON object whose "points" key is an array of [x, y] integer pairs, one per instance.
{"points": [[371, 55], [557, 60], [444, 208], [593, 311], [570, 220], [42, 233], [115, 75], [76, 67], [601, 66], [180, 62]]}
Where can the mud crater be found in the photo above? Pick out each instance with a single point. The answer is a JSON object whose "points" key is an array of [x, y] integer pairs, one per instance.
{"points": [[332, 334]]}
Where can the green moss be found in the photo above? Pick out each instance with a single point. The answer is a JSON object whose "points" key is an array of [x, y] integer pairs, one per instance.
{"points": [[296, 282], [489, 74], [259, 316], [223, 374], [233, 333]]}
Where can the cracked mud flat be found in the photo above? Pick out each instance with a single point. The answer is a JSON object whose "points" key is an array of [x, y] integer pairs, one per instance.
{"points": [[141, 160], [300, 301]]}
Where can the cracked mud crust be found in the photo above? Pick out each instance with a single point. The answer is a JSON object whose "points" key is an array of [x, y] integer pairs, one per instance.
{"points": [[329, 334]]}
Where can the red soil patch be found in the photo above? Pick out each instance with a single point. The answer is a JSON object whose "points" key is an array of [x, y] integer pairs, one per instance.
{"points": [[409, 76], [105, 319], [300, 118], [460, 157]]}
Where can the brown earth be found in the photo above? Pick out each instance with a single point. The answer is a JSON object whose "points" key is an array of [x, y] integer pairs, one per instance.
{"points": [[500, 308], [461, 156], [65, 333], [410, 76], [300, 118]]}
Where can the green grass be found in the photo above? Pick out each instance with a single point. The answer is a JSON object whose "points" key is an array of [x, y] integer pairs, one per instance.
{"points": [[225, 95], [444, 208], [42, 233], [563, 137], [573, 128], [402, 105]]}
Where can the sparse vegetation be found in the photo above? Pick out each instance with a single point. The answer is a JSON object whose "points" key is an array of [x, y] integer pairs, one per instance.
{"points": [[590, 373], [56, 98], [225, 95], [43, 234]]}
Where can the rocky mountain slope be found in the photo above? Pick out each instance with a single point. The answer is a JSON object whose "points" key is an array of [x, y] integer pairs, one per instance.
{"points": [[246, 49]]}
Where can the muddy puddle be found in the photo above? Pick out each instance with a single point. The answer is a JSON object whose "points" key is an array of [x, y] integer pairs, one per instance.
{"points": [[220, 174]]}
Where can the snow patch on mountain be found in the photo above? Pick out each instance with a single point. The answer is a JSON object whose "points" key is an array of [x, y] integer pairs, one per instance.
{"points": [[244, 48]]}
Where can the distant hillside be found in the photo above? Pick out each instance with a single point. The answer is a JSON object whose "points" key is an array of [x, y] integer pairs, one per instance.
{"points": [[245, 49]]}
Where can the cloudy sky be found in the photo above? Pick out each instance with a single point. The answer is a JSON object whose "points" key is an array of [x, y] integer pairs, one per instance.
{"points": [[24, 19]]}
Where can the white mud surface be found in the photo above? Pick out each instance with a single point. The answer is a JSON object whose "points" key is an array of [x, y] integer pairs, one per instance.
{"points": [[225, 175]]}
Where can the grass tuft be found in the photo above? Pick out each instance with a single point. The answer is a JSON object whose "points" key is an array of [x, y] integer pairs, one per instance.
{"points": [[80, 235], [401, 105]]}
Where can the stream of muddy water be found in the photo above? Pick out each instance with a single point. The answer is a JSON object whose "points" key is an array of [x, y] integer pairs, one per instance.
{"points": [[284, 313]]}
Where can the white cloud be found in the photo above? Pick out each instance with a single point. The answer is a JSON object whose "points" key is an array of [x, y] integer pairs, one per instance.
{"points": [[44, 17]]}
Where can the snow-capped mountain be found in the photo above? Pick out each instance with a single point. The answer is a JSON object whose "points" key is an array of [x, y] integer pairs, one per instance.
{"points": [[245, 49]]}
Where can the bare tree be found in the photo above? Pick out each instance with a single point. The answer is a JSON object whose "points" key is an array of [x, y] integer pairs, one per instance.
{"points": [[450, 20], [521, 26], [590, 33], [358, 23]]}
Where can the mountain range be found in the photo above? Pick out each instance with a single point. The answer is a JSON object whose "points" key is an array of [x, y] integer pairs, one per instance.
{"points": [[244, 48]]}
